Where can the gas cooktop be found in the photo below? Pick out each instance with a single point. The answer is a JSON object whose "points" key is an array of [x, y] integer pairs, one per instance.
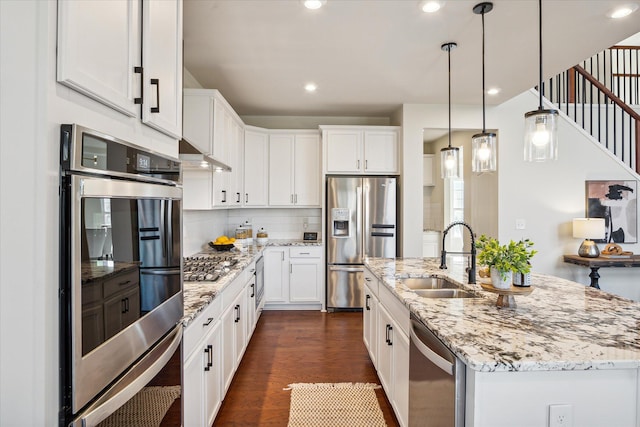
{"points": [[207, 267]]}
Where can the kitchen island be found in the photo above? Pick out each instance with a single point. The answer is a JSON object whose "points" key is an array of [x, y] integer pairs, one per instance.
{"points": [[564, 344]]}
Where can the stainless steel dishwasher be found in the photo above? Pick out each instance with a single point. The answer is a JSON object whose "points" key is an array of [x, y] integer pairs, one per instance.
{"points": [[436, 381]]}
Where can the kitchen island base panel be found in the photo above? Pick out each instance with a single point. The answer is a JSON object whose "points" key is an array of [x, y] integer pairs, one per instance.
{"points": [[607, 397]]}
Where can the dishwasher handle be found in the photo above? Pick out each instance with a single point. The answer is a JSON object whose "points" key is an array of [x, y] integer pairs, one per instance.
{"points": [[434, 357]]}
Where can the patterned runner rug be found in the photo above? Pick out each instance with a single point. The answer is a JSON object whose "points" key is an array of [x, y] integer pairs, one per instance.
{"points": [[146, 409], [334, 404]]}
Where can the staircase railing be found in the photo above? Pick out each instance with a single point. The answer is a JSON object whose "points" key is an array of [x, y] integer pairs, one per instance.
{"points": [[597, 94]]}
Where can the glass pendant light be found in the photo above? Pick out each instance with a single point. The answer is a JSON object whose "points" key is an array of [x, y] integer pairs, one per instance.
{"points": [[449, 156], [541, 126], [483, 145]]}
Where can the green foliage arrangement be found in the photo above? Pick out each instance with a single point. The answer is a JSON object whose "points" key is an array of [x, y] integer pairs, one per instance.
{"points": [[512, 257]]}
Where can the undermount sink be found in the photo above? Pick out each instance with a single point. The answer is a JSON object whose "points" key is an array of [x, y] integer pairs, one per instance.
{"points": [[444, 293], [429, 283]]}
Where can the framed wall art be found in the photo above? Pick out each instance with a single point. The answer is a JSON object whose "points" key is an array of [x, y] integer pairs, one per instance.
{"points": [[617, 203]]}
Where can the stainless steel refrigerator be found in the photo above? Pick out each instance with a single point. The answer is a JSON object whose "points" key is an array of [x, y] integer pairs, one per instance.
{"points": [[361, 222]]}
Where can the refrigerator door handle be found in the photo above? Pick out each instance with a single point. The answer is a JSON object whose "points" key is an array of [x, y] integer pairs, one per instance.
{"points": [[360, 250], [383, 226], [379, 234], [347, 269]]}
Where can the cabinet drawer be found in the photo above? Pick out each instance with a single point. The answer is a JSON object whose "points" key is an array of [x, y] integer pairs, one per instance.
{"points": [[370, 281], [305, 252], [201, 325], [121, 282]]}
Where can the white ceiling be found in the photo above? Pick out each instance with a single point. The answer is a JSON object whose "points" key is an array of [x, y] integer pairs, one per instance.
{"points": [[370, 56]]}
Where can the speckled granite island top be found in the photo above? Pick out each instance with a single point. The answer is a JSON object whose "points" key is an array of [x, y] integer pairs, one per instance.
{"points": [[561, 325], [197, 295]]}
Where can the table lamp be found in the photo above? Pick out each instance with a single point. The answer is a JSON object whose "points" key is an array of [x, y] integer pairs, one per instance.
{"points": [[588, 228]]}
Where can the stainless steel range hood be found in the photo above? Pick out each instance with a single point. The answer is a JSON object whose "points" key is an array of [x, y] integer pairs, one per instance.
{"points": [[192, 158]]}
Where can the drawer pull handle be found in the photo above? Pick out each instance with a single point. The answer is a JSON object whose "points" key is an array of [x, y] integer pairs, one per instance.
{"points": [[367, 302], [208, 322]]}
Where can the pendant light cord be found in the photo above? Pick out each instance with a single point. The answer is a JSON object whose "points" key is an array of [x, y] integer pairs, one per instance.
{"points": [[540, 55], [449, 55], [484, 127]]}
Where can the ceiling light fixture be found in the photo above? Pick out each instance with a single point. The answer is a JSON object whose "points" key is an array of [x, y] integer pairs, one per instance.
{"points": [[493, 91], [449, 156], [430, 6], [540, 126], [314, 4], [310, 87], [483, 145], [623, 11]]}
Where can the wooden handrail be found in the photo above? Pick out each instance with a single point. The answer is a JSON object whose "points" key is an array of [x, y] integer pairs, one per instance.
{"points": [[620, 103], [625, 47], [602, 88]]}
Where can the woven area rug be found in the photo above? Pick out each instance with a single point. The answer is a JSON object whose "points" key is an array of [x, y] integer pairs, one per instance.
{"points": [[334, 404], [146, 409]]}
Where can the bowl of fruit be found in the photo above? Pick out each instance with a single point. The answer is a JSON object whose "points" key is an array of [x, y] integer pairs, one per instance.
{"points": [[222, 243]]}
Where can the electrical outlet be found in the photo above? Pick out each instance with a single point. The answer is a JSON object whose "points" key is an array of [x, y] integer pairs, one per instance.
{"points": [[560, 416], [521, 224], [305, 223]]}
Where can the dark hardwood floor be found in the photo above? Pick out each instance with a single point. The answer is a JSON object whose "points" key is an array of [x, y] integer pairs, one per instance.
{"points": [[287, 347], [296, 346]]}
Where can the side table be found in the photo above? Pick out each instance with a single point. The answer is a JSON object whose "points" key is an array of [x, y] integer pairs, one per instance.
{"points": [[595, 263]]}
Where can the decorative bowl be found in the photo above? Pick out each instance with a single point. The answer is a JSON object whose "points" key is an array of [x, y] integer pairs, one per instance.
{"points": [[221, 247]]}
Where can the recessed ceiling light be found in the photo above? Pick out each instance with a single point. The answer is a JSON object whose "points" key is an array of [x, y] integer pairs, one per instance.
{"points": [[493, 91], [431, 6], [310, 87], [313, 4], [622, 11]]}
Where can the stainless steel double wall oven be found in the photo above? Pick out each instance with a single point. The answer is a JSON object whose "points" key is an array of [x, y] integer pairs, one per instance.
{"points": [[120, 271]]}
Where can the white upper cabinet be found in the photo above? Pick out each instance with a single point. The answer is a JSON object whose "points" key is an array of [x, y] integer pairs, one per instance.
{"points": [[211, 125], [363, 149], [162, 62], [98, 50], [123, 53], [294, 168], [256, 172]]}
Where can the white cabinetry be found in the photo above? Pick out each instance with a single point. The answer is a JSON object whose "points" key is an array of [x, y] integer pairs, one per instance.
{"points": [[211, 125], [202, 368], [256, 167], [365, 149], [294, 169], [293, 278], [305, 274], [370, 315], [276, 274], [392, 341], [428, 176], [99, 50]]}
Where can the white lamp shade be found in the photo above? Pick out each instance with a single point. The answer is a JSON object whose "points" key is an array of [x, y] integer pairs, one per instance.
{"points": [[483, 152], [450, 162], [541, 135], [588, 228]]}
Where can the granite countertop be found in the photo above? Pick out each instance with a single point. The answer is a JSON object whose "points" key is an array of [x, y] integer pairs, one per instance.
{"points": [[197, 295], [561, 325]]}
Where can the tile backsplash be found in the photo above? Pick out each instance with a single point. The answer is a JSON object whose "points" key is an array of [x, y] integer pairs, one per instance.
{"points": [[200, 227], [278, 223]]}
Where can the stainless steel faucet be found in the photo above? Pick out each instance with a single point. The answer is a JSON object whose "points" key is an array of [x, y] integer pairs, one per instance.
{"points": [[443, 256]]}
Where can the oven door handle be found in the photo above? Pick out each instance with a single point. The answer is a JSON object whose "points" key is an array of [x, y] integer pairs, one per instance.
{"points": [[133, 381]]}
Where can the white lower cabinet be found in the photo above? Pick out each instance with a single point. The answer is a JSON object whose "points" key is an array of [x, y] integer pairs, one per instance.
{"points": [[370, 316], [202, 368], [305, 274], [293, 278], [386, 334]]}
